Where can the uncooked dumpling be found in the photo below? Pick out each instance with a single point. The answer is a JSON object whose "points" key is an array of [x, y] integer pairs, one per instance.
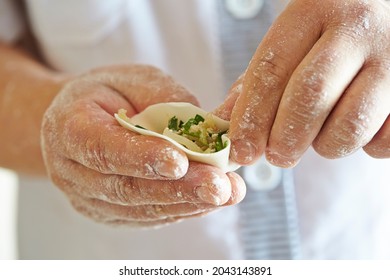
{"points": [[201, 135]]}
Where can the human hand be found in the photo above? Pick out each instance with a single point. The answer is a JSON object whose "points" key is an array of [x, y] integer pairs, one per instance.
{"points": [[116, 176], [320, 77]]}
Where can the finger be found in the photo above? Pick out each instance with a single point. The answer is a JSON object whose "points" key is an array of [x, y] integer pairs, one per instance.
{"points": [[224, 111], [238, 189], [102, 211], [93, 138], [289, 39], [142, 85], [379, 146], [96, 214], [202, 184], [151, 224], [359, 114], [311, 93]]}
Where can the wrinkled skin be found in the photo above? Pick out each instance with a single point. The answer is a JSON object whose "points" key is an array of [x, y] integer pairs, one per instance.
{"points": [[320, 78], [116, 176]]}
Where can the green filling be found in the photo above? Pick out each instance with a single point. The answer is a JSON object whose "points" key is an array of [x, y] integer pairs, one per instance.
{"points": [[200, 131]]}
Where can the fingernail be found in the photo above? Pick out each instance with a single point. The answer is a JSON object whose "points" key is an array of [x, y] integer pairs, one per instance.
{"points": [[171, 164], [238, 188], [215, 190], [205, 194], [243, 151], [280, 160]]}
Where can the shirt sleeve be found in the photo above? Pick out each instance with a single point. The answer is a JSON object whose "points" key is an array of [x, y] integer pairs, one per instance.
{"points": [[11, 22]]}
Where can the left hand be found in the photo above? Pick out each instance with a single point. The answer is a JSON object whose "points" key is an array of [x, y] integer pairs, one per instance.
{"points": [[116, 176], [320, 77]]}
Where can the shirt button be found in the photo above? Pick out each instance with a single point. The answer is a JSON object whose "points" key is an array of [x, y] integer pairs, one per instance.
{"points": [[244, 9], [262, 176]]}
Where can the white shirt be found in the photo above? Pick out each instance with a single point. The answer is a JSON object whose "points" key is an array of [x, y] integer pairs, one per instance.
{"points": [[342, 204]]}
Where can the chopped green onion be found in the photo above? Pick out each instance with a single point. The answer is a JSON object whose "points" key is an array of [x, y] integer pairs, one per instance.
{"points": [[172, 124], [198, 119], [218, 142], [187, 125], [139, 126], [202, 133]]}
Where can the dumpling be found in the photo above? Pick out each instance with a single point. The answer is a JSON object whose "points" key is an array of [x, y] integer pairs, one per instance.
{"points": [[201, 135]]}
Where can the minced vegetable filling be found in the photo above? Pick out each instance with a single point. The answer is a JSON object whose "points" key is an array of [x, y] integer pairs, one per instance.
{"points": [[197, 134], [200, 134]]}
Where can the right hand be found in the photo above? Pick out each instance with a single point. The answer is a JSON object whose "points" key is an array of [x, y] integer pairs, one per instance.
{"points": [[116, 176]]}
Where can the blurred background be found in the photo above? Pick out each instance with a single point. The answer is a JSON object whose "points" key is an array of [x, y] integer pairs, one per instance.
{"points": [[8, 213]]}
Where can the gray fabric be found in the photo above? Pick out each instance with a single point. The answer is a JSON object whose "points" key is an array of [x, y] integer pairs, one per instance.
{"points": [[240, 38], [269, 222]]}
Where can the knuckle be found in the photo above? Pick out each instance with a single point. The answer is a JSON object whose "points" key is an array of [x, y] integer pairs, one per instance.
{"points": [[83, 142], [358, 19], [96, 155], [310, 100], [120, 190], [351, 133], [50, 132], [148, 73], [360, 9], [313, 85], [380, 66], [81, 147], [348, 135], [305, 107], [71, 130], [269, 71]]}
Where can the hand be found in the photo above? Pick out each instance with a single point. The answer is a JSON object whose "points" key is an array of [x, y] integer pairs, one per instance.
{"points": [[320, 77], [116, 176]]}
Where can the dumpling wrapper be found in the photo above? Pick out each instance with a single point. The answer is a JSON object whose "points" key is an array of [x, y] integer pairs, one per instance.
{"points": [[155, 119]]}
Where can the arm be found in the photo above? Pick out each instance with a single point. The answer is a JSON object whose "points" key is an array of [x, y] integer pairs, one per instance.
{"points": [[26, 90]]}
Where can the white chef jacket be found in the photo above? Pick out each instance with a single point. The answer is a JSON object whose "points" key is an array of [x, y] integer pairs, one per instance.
{"points": [[343, 205]]}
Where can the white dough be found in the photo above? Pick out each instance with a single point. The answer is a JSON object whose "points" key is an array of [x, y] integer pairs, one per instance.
{"points": [[156, 117]]}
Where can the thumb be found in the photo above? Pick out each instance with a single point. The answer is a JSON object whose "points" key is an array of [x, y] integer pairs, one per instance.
{"points": [[85, 130], [143, 85]]}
